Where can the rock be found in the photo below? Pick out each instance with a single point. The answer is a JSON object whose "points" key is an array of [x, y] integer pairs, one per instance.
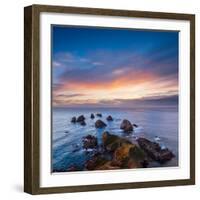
{"points": [[96, 161], [165, 155], [119, 153], [115, 163], [122, 152], [100, 162], [145, 163], [131, 164], [92, 116], [99, 115], [109, 118], [125, 153], [112, 142], [107, 166], [126, 126], [137, 153], [130, 156], [73, 120], [89, 141], [135, 125], [82, 123], [100, 124], [154, 150], [80, 118]]}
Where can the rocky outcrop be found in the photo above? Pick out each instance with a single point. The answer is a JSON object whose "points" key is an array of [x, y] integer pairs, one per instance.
{"points": [[154, 150], [89, 142], [96, 161], [80, 118], [126, 126], [109, 118], [125, 153], [73, 120], [122, 154], [117, 152], [99, 115], [92, 116], [82, 123], [100, 124], [112, 142]]}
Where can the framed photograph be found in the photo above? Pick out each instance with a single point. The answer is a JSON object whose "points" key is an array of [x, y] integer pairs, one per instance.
{"points": [[109, 99]]}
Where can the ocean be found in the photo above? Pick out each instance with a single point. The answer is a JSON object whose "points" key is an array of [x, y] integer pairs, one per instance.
{"points": [[157, 124]]}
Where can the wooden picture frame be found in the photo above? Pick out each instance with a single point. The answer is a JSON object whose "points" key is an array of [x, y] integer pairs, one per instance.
{"points": [[32, 91]]}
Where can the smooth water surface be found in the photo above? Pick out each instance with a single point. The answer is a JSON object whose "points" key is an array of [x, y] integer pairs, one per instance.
{"points": [[160, 125]]}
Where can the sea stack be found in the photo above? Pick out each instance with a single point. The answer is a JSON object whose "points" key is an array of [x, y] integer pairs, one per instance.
{"points": [[89, 142], [99, 115], [100, 124], [80, 118], [82, 123], [73, 120], [109, 118], [154, 150], [126, 126]]}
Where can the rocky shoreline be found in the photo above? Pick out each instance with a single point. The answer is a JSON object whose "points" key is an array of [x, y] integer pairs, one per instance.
{"points": [[116, 152]]}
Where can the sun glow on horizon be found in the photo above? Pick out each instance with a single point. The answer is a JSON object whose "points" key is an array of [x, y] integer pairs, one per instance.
{"points": [[104, 67]]}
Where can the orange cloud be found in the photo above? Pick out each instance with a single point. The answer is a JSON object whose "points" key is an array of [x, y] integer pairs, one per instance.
{"points": [[127, 80], [130, 85]]}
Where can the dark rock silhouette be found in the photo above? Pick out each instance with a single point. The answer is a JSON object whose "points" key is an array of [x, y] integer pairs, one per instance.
{"points": [[99, 115], [126, 126], [123, 154], [89, 141], [154, 150], [100, 124], [117, 152], [109, 118], [110, 142], [82, 123], [73, 120], [80, 118], [95, 162]]}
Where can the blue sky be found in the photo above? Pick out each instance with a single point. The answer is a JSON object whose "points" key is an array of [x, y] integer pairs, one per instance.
{"points": [[95, 65]]}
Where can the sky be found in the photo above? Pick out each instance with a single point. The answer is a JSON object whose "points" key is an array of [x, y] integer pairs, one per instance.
{"points": [[105, 67]]}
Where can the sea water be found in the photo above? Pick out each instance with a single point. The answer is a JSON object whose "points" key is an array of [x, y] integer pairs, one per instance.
{"points": [[157, 124]]}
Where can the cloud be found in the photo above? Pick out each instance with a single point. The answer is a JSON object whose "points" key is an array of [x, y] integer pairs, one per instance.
{"points": [[120, 72], [138, 77], [64, 57], [97, 63], [70, 95], [153, 101], [88, 81], [56, 64], [114, 66]]}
